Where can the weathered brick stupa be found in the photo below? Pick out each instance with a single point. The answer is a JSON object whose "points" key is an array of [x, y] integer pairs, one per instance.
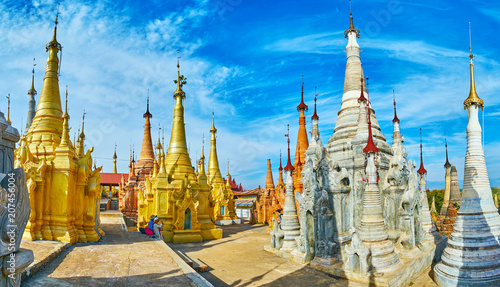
{"points": [[263, 204], [451, 199], [175, 194], [138, 171], [472, 256], [224, 210], [64, 189], [362, 211]]}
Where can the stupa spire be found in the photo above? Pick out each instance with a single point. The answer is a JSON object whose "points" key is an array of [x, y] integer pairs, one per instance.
{"points": [[421, 169], [362, 94], [81, 137], [289, 165], [447, 163], [302, 140], [48, 119], [315, 115], [31, 103], [351, 27], [396, 136], [280, 180], [370, 145], [115, 170], [213, 162], [177, 156], [395, 120], [65, 140], [8, 109], [302, 106], [202, 160], [147, 155], [473, 98]]}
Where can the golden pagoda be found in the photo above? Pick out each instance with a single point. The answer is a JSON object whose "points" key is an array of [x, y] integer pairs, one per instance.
{"points": [[64, 189], [224, 210], [175, 194]]}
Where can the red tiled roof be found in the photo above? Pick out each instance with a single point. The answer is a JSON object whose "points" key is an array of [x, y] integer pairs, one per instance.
{"points": [[108, 178], [244, 202], [234, 187]]}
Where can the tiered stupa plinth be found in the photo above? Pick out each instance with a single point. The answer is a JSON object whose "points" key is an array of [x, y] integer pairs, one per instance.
{"points": [[472, 256]]}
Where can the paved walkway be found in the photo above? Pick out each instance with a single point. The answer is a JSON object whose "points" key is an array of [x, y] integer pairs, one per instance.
{"points": [[239, 259], [119, 259]]}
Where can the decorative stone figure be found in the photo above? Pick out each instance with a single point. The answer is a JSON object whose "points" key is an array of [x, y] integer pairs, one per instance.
{"points": [[276, 235]]}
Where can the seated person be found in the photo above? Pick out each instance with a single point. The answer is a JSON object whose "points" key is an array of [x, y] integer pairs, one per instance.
{"points": [[149, 229], [157, 228]]}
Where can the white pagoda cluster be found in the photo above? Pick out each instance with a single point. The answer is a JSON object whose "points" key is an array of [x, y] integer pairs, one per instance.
{"points": [[363, 210]]}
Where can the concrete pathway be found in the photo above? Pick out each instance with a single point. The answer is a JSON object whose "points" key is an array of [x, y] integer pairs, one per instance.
{"points": [[239, 259], [119, 259]]}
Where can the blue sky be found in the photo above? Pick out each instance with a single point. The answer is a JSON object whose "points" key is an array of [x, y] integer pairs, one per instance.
{"points": [[245, 60]]}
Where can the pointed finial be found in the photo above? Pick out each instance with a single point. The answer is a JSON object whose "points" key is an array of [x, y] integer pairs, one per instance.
{"points": [[395, 120], [66, 104], [8, 109], [473, 97], [351, 27], [315, 115], [178, 58], [82, 134], [370, 145], [54, 42], [32, 91], [114, 155], [147, 114], [447, 164], [163, 138], [180, 80], [228, 170], [281, 167], [203, 148], [421, 170], [288, 166], [470, 42], [302, 106], [133, 154], [362, 94], [213, 130]]}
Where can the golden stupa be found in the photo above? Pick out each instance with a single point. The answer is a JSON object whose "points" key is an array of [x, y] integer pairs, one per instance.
{"points": [[175, 193], [64, 189], [224, 210]]}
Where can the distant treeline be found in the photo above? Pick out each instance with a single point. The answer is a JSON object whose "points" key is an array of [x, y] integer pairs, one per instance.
{"points": [[439, 194]]}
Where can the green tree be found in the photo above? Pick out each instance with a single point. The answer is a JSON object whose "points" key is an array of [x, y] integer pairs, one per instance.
{"points": [[182, 79]]}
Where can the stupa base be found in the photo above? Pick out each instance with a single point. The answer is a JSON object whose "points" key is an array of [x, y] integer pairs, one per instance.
{"points": [[228, 221]]}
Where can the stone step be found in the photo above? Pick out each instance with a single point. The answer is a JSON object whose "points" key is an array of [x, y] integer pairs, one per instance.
{"points": [[195, 263]]}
